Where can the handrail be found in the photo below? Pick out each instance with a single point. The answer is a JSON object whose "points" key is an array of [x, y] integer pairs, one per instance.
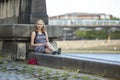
{"points": [[85, 22]]}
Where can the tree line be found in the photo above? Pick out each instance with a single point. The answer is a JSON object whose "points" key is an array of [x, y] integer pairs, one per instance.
{"points": [[97, 34]]}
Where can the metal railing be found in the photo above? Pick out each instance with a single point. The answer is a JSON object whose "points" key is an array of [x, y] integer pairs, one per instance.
{"points": [[85, 22]]}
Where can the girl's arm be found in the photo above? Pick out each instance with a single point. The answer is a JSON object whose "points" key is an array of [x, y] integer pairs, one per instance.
{"points": [[47, 37]]}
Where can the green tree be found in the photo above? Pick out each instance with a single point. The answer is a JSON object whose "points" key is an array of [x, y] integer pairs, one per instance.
{"points": [[115, 18], [115, 35], [92, 34], [80, 33]]}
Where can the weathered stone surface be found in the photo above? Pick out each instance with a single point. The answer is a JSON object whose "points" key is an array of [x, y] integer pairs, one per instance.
{"points": [[54, 31], [14, 35], [93, 66], [0, 46], [11, 35], [10, 70], [24, 31], [6, 30], [9, 48], [22, 11], [38, 10], [21, 51]]}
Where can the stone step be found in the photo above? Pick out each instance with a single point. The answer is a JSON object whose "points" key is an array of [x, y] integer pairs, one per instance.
{"points": [[83, 64]]}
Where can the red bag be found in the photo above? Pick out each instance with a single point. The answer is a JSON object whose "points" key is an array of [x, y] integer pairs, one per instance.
{"points": [[32, 61]]}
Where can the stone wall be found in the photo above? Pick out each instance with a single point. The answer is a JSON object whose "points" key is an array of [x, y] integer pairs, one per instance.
{"points": [[22, 11], [86, 44], [9, 11], [15, 38]]}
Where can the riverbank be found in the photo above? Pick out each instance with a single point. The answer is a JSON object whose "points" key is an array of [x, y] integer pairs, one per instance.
{"points": [[97, 46], [84, 44], [91, 51]]}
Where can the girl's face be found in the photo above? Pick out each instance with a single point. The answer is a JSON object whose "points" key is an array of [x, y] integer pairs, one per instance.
{"points": [[39, 25]]}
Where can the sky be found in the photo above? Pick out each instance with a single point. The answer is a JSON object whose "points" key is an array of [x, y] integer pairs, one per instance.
{"points": [[58, 7]]}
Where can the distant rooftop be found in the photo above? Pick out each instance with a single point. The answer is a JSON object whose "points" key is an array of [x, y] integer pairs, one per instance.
{"points": [[81, 15]]}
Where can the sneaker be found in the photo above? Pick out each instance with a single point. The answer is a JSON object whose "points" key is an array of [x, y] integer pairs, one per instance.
{"points": [[54, 52], [59, 51]]}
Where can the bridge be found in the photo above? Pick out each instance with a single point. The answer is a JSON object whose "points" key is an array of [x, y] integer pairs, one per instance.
{"points": [[70, 26], [106, 24]]}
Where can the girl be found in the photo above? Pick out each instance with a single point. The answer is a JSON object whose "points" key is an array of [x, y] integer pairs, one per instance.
{"points": [[39, 39]]}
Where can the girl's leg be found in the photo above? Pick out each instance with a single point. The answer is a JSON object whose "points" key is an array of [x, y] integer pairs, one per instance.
{"points": [[50, 47], [47, 51]]}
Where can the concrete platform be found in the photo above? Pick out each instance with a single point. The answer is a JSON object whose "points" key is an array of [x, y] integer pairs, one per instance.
{"points": [[101, 64]]}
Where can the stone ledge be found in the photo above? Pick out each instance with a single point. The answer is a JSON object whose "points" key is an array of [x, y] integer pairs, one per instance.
{"points": [[83, 65], [24, 31]]}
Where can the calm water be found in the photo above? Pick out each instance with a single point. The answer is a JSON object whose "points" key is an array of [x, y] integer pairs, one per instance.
{"points": [[95, 56]]}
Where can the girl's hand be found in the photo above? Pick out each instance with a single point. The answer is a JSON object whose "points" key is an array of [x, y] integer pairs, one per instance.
{"points": [[41, 44]]}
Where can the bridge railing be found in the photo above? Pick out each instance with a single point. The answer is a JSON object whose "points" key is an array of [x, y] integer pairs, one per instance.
{"points": [[85, 22]]}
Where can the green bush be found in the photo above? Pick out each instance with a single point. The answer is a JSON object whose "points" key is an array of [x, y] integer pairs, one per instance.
{"points": [[97, 34]]}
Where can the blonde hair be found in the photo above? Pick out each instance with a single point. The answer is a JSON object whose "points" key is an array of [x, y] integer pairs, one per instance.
{"points": [[43, 28]]}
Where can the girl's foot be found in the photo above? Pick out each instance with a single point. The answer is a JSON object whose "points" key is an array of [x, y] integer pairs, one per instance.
{"points": [[59, 51], [54, 52]]}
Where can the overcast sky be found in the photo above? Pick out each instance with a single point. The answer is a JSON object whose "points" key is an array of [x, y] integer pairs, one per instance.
{"points": [[57, 7]]}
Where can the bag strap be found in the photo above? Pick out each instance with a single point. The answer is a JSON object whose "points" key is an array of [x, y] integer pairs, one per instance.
{"points": [[35, 36], [44, 33]]}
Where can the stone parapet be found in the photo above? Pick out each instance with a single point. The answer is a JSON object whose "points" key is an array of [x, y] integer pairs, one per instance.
{"points": [[15, 38], [23, 31]]}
